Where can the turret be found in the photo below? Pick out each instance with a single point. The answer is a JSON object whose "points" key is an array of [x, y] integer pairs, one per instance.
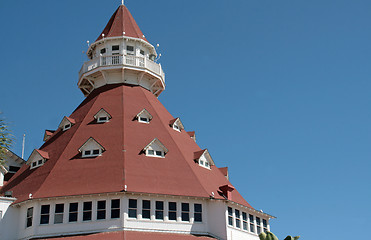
{"points": [[121, 54]]}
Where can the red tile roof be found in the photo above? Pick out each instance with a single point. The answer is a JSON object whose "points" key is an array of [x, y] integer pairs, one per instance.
{"points": [[122, 21], [66, 174], [43, 153], [191, 133], [135, 235]]}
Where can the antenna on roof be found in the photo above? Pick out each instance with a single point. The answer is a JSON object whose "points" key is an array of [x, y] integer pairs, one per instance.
{"points": [[24, 139]]}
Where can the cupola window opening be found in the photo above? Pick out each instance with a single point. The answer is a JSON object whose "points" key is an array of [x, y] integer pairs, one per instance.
{"points": [[141, 52], [144, 116], [103, 51], [129, 50], [176, 124], [115, 48], [155, 149], [102, 116], [91, 148]]}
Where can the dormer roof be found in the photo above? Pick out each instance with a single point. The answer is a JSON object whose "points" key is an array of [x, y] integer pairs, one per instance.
{"points": [[157, 143], [102, 112], [92, 142], [37, 155], [48, 134], [206, 154], [122, 22], [65, 121], [192, 134], [144, 113], [177, 122]]}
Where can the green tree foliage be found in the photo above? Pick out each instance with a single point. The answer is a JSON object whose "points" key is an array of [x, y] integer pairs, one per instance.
{"points": [[6, 139], [271, 236]]}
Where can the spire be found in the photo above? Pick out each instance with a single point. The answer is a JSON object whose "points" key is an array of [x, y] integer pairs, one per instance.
{"points": [[122, 23]]}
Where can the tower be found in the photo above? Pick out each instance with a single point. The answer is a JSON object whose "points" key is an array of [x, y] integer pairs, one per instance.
{"points": [[121, 166]]}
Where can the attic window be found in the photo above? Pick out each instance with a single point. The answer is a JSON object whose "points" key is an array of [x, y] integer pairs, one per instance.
{"points": [[66, 123], [203, 159], [102, 116], [155, 149], [176, 124], [144, 116], [37, 158], [92, 153], [91, 148]]}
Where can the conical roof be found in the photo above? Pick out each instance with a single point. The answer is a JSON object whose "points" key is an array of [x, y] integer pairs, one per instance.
{"points": [[122, 22], [123, 162]]}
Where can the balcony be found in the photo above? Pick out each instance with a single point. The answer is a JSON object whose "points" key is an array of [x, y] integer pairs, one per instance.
{"points": [[140, 63]]}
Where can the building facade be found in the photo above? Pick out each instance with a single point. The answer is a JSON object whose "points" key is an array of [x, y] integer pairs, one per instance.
{"points": [[121, 166]]}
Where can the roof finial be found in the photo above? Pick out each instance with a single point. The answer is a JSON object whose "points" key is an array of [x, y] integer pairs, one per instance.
{"points": [[122, 2]]}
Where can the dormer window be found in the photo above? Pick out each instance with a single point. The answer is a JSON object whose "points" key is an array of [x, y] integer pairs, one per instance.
{"points": [[102, 116], [130, 50], [192, 135], [66, 123], [48, 134], [37, 158], [176, 124], [203, 158], [155, 149], [91, 148], [143, 117]]}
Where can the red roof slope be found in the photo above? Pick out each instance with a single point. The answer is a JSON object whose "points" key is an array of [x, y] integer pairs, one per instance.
{"points": [[122, 163], [132, 235], [122, 21]]}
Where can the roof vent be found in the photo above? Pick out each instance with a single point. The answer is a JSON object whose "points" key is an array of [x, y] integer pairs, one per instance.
{"points": [[226, 191]]}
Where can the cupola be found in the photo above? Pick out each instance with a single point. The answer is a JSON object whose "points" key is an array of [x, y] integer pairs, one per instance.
{"points": [[121, 54]]}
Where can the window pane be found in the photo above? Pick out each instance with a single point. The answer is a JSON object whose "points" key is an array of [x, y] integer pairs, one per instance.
{"points": [[101, 204], [59, 208], [264, 223], [115, 203], [44, 219], [252, 229], [244, 216], [132, 203], [159, 205], [132, 213], [172, 206], [159, 214], [87, 216], [130, 48], [185, 207], [185, 216], [146, 204], [96, 151], [73, 207], [58, 218], [172, 215], [87, 206], [115, 47], [45, 209], [198, 207]]}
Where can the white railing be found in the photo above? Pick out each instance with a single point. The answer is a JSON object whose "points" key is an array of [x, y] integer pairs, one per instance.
{"points": [[123, 60]]}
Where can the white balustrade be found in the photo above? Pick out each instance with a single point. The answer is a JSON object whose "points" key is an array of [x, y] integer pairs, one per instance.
{"points": [[125, 60]]}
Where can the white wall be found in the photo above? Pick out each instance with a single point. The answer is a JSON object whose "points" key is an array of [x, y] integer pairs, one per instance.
{"points": [[9, 219]]}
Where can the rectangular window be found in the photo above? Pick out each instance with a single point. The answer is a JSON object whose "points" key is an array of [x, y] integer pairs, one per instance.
{"points": [[115, 208], [133, 208], [45, 214], [244, 221], [160, 210], [238, 218], [40, 162], [143, 119], [146, 209], [185, 212], [58, 214], [265, 225], [258, 227], [87, 211], [158, 153], [115, 48], [141, 52], [252, 227], [151, 152], [34, 164], [72, 216], [198, 212], [130, 50], [29, 217], [101, 210], [87, 152], [172, 211], [96, 152], [102, 119], [230, 216], [103, 51]]}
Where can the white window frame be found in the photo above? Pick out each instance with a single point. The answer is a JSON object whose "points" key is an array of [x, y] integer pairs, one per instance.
{"points": [[143, 121], [154, 153], [101, 120], [67, 126], [91, 154]]}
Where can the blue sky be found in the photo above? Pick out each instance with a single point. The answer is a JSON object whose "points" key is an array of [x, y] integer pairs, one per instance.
{"points": [[278, 91]]}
